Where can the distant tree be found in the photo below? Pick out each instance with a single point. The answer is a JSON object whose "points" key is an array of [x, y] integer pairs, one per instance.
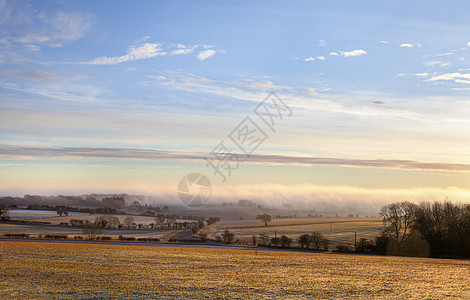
{"points": [[365, 245], [128, 223], [4, 214], [228, 236], [253, 237], [60, 212], [399, 219], [264, 218], [113, 222], [304, 240], [275, 241], [170, 221], [203, 237], [160, 220], [165, 208], [211, 220], [319, 241], [92, 230], [381, 243], [136, 204], [102, 221], [285, 241], [264, 238]]}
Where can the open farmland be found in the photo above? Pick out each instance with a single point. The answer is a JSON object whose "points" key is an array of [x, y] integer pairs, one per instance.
{"points": [[53, 271], [338, 231], [41, 230]]}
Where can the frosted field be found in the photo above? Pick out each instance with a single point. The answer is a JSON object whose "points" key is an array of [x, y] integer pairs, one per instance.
{"points": [[65, 271], [337, 230], [23, 214]]}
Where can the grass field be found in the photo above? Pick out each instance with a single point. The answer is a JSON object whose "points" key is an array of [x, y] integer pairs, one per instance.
{"points": [[64, 271], [36, 230], [337, 230]]}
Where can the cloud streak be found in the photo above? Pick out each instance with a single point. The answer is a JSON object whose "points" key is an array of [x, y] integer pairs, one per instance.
{"points": [[456, 77], [203, 55], [7, 151], [353, 53], [150, 50], [147, 50]]}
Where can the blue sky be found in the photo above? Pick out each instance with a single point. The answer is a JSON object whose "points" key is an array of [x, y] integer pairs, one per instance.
{"points": [[379, 93]]}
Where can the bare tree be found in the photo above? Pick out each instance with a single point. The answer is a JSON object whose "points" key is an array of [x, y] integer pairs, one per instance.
{"points": [[92, 230], [399, 220], [304, 240], [319, 241], [170, 221], [275, 241], [160, 220], [264, 238], [203, 237], [128, 223], [228, 236], [286, 241], [102, 221], [264, 218], [4, 215]]}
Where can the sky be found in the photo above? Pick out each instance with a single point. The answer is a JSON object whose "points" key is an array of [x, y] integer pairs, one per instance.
{"points": [[310, 103]]}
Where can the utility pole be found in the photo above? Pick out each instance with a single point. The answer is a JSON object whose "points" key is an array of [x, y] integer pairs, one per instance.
{"points": [[355, 240], [274, 233]]}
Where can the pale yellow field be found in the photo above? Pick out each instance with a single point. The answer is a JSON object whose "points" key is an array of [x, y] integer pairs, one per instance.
{"points": [[52, 271], [338, 231]]}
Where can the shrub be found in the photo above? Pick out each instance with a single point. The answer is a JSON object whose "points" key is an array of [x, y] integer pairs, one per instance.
{"points": [[343, 248]]}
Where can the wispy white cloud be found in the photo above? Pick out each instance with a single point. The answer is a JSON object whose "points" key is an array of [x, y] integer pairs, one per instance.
{"points": [[456, 77], [309, 59], [333, 54], [159, 77], [322, 43], [203, 55], [144, 51], [445, 54], [267, 85], [468, 44], [406, 45], [183, 49], [421, 74], [384, 42], [320, 57], [436, 63], [357, 52], [150, 50]]}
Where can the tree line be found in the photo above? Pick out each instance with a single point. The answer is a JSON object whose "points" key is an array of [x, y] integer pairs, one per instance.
{"points": [[440, 228]]}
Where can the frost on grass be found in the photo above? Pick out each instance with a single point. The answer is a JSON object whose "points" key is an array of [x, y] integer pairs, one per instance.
{"points": [[65, 271]]}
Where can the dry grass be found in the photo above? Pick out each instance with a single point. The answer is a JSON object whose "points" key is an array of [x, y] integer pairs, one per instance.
{"points": [[52, 271], [36, 230], [335, 229]]}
